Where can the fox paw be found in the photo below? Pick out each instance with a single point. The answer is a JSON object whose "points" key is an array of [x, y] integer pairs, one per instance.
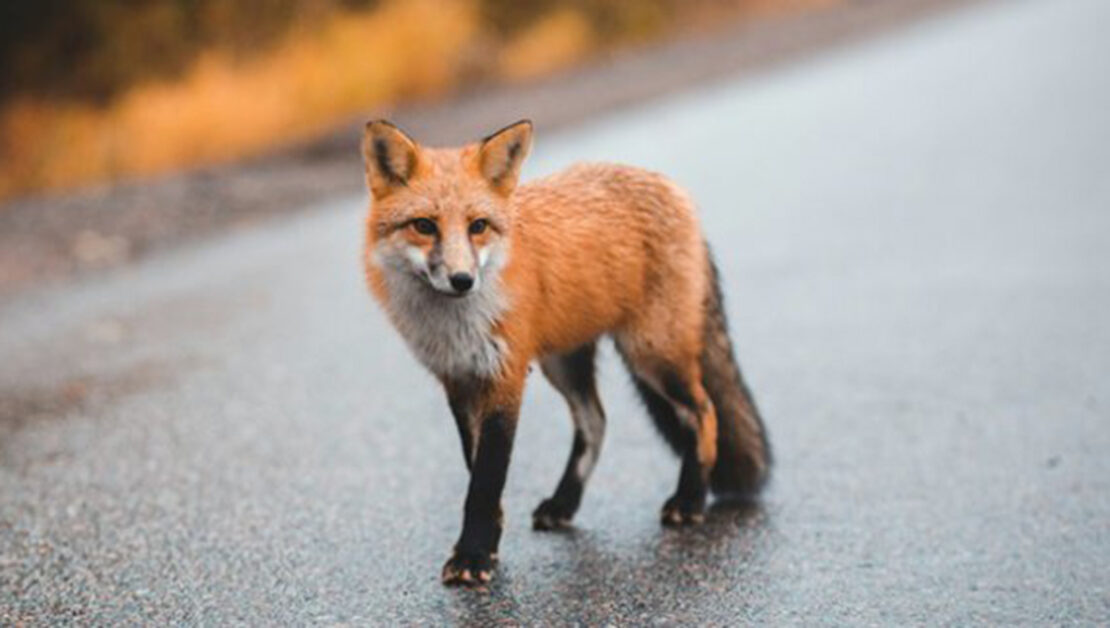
{"points": [[679, 512], [552, 515], [468, 569]]}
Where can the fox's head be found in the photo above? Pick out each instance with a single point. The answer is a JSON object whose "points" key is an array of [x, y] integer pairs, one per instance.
{"points": [[442, 215]]}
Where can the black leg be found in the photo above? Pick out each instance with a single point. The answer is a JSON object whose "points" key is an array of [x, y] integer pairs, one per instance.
{"points": [[557, 510], [572, 375], [475, 552], [674, 406], [461, 409], [687, 505]]}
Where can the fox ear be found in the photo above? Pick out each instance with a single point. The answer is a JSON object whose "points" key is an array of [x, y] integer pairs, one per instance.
{"points": [[502, 153], [390, 157]]}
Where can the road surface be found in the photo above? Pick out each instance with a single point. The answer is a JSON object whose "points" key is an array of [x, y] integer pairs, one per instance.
{"points": [[915, 238]]}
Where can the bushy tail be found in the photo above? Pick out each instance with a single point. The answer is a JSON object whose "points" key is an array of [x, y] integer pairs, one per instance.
{"points": [[743, 453]]}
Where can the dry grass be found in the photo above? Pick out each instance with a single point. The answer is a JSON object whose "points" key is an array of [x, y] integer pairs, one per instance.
{"points": [[224, 108], [554, 42]]}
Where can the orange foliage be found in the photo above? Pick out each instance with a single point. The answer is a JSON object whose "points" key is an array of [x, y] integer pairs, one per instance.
{"points": [[223, 109], [554, 42]]}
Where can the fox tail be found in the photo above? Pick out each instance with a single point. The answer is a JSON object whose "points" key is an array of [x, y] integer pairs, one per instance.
{"points": [[743, 453]]}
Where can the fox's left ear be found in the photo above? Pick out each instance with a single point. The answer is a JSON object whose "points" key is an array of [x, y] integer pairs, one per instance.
{"points": [[502, 153]]}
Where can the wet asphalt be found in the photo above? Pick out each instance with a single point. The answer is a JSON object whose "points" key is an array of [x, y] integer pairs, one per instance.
{"points": [[914, 234]]}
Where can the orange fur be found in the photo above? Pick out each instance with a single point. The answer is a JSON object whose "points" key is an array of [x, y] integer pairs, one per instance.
{"points": [[598, 248]]}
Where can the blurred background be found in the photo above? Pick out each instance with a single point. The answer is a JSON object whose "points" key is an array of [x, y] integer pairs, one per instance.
{"points": [[204, 418], [127, 127], [98, 91]]}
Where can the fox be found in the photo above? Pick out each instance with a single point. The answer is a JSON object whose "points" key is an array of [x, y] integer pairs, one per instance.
{"points": [[483, 276]]}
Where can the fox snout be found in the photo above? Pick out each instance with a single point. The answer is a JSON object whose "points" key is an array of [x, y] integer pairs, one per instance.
{"points": [[457, 266], [454, 265], [450, 266]]}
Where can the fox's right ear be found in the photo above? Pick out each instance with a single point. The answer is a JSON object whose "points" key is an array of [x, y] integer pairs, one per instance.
{"points": [[390, 157]]}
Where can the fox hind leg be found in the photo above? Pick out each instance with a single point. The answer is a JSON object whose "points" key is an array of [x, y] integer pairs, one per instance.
{"points": [[685, 416], [573, 375]]}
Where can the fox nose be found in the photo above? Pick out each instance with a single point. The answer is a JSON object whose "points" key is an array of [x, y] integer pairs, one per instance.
{"points": [[461, 282]]}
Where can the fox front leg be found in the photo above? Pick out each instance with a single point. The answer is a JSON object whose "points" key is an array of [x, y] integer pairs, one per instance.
{"points": [[488, 450]]}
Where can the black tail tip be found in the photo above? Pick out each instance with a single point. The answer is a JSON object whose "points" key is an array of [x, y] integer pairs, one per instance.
{"points": [[740, 479]]}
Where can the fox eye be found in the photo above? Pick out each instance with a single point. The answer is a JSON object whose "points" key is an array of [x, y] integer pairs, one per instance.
{"points": [[479, 226], [424, 226]]}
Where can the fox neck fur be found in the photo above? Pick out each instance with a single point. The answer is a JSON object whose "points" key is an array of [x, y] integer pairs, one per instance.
{"points": [[452, 337]]}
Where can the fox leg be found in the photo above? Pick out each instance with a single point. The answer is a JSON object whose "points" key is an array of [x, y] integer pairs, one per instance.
{"points": [[693, 406], [697, 425], [461, 408], [491, 411], [572, 374], [684, 413]]}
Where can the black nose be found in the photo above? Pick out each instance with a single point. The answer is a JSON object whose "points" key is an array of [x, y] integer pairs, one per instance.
{"points": [[462, 282]]}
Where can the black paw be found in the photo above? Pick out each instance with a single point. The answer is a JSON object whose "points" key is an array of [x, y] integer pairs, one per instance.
{"points": [[552, 515], [678, 511], [468, 569]]}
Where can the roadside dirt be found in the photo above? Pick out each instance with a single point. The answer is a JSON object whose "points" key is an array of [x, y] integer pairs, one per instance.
{"points": [[47, 238]]}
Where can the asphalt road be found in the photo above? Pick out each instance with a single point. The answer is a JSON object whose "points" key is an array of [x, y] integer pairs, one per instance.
{"points": [[915, 238]]}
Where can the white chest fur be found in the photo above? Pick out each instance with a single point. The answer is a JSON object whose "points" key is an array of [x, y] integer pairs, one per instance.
{"points": [[452, 337]]}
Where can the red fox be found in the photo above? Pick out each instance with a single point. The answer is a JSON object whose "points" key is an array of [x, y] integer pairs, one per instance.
{"points": [[483, 277]]}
